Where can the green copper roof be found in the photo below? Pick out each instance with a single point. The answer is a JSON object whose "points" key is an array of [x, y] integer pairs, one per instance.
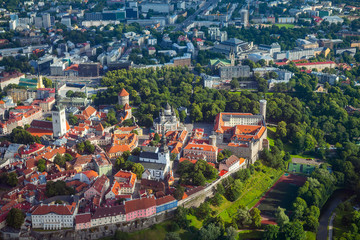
{"points": [[217, 61]]}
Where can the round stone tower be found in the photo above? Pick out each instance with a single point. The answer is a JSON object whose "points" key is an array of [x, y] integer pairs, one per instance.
{"points": [[123, 97], [263, 108]]}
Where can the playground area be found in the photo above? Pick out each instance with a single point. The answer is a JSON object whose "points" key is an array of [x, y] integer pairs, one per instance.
{"points": [[282, 194]]}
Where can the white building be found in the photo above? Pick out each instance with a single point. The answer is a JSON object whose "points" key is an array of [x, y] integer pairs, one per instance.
{"points": [[333, 19], [167, 120], [59, 122], [156, 160], [54, 217]]}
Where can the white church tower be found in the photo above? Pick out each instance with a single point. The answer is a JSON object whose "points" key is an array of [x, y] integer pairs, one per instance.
{"points": [[58, 117]]}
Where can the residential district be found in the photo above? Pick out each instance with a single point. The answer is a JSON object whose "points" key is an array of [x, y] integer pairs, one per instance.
{"points": [[86, 165]]}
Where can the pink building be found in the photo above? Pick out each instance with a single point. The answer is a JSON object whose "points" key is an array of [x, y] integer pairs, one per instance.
{"points": [[98, 188], [83, 221], [140, 208]]}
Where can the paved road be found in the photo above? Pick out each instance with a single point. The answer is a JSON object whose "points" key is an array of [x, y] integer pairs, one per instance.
{"points": [[326, 214], [191, 18]]}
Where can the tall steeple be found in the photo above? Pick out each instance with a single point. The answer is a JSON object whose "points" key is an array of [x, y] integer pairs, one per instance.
{"points": [[163, 148], [58, 116]]}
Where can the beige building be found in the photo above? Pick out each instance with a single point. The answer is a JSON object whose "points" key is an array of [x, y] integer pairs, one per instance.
{"points": [[319, 66], [244, 134]]}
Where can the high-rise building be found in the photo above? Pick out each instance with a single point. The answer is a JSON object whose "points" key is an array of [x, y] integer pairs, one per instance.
{"points": [[244, 17], [46, 20]]}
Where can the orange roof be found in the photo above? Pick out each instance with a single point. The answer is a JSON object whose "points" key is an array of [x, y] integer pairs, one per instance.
{"points": [[202, 147], [248, 132], [99, 127], [39, 132], [176, 147], [123, 93], [127, 106], [116, 188], [74, 67], [91, 174], [2, 102], [127, 129], [119, 148], [89, 111], [219, 123]]}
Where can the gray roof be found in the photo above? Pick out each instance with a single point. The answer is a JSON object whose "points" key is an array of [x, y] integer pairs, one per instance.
{"points": [[149, 149], [150, 155], [232, 42], [155, 166]]}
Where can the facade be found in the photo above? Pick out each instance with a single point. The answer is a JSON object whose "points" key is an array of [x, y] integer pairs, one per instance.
{"points": [[140, 208], [156, 160], [98, 188], [108, 215], [89, 69], [165, 203], [167, 120], [242, 133], [54, 217], [234, 72], [319, 66], [59, 121], [244, 15], [232, 164], [83, 221], [102, 164], [209, 151]]}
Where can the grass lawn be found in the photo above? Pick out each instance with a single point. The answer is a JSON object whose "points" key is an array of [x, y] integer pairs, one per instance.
{"points": [[282, 195], [310, 235], [285, 25], [250, 234], [194, 221], [271, 135], [253, 190], [157, 231], [238, 93], [302, 156]]}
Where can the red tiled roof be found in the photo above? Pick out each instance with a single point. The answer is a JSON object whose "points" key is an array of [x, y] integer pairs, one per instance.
{"points": [[41, 124], [100, 183], [163, 200], [89, 111], [59, 209], [314, 63], [138, 204], [127, 106], [83, 218], [108, 211], [123, 93]]}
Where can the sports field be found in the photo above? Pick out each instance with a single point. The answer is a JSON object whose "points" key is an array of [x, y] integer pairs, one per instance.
{"points": [[285, 25], [301, 168], [282, 194]]}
